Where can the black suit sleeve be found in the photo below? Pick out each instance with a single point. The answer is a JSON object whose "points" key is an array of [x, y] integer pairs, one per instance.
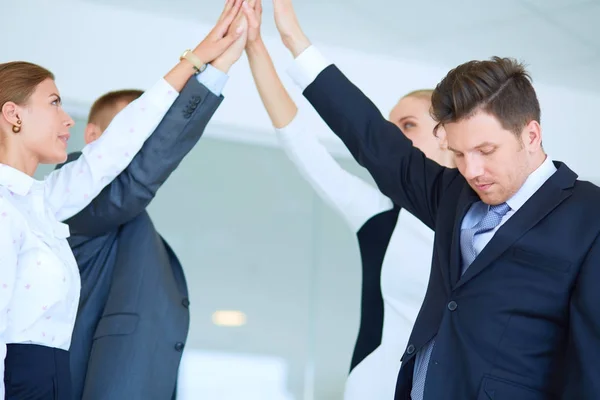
{"points": [[132, 190], [400, 170]]}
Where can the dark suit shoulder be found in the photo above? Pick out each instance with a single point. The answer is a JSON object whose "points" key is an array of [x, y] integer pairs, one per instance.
{"points": [[586, 198], [587, 187], [588, 195]]}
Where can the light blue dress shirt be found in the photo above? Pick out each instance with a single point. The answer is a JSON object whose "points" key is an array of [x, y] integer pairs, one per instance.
{"points": [[213, 79]]}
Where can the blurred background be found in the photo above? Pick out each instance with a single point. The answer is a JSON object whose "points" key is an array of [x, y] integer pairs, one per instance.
{"points": [[274, 275]]}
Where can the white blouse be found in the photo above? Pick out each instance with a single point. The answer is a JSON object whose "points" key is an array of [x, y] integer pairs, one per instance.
{"points": [[39, 278], [407, 262], [354, 199]]}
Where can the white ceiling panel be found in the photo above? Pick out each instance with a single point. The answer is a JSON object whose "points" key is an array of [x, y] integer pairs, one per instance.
{"points": [[532, 40], [407, 22], [552, 36], [581, 22], [554, 5], [581, 76]]}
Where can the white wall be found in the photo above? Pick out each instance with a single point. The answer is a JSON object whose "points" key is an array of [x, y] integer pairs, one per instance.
{"points": [[94, 48]]}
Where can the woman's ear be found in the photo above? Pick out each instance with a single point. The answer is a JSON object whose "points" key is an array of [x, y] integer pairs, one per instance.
{"points": [[10, 113]]}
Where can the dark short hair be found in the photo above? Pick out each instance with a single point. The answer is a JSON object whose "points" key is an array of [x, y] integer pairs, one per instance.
{"points": [[499, 86], [101, 112]]}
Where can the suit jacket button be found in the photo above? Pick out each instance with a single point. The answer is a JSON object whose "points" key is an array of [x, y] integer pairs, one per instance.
{"points": [[410, 349], [197, 100], [185, 302], [179, 346], [452, 305]]}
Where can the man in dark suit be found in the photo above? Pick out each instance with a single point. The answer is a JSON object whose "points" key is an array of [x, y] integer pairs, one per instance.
{"points": [[512, 310], [133, 317]]}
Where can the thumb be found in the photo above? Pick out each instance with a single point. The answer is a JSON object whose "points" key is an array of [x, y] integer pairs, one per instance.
{"points": [[231, 37]]}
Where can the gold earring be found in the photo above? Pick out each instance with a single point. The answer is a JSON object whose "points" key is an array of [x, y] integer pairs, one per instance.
{"points": [[17, 128]]}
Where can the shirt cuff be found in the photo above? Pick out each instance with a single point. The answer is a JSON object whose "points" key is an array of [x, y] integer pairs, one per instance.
{"points": [[292, 128], [162, 95], [307, 66], [213, 79]]}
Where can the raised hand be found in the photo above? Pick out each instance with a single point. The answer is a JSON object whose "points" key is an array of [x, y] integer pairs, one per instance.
{"points": [[234, 52], [254, 21], [289, 28], [221, 37]]}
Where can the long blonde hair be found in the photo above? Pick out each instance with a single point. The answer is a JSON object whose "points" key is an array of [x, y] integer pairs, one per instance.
{"points": [[421, 93]]}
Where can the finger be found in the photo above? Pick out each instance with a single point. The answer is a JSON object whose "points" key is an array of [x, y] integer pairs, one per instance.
{"points": [[228, 5], [258, 10], [230, 38], [235, 10], [251, 17], [248, 6], [223, 26]]}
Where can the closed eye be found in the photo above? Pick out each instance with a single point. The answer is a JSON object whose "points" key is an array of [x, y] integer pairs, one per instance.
{"points": [[456, 152]]}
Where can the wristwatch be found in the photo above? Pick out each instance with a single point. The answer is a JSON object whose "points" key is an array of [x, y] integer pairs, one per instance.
{"points": [[196, 62]]}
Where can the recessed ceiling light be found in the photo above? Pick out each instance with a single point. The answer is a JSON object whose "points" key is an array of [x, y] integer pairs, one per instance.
{"points": [[229, 318]]}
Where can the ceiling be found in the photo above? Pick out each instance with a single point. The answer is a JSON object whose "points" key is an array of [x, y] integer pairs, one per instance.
{"points": [[558, 39]]}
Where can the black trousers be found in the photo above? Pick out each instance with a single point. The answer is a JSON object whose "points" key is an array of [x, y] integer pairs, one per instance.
{"points": [[33, 372]]}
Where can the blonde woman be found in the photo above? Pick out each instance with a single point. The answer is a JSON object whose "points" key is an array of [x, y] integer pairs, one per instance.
{"points": [[395, 247]]}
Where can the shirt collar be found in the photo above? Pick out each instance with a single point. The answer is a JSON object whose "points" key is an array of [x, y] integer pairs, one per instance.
{"points": [[533, 182], [14, 180]]}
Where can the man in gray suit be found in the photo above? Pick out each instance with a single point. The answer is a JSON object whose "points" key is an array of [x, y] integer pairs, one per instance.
{"points": [[133, 316]]}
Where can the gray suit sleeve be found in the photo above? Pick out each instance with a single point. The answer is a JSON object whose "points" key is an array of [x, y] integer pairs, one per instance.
{"points": [[132, 190]]}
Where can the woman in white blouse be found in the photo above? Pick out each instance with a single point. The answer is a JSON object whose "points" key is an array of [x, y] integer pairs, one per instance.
{"points": [[39, 280], [395, 247]]}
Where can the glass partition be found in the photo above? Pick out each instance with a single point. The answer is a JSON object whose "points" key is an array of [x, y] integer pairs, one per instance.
{"points": [[273, 274]]}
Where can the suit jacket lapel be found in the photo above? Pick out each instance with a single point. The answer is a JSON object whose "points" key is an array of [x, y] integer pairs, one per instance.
{"points": [[546, 199]]}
